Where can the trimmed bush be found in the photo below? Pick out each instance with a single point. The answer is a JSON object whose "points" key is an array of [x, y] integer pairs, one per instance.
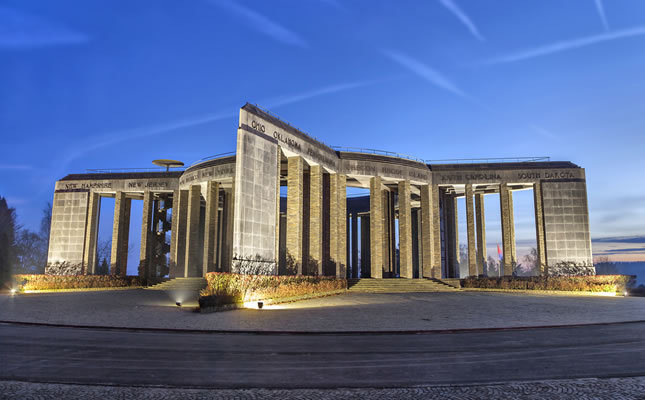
{"points": [[591, 283], [237, 288], [55, 282]]}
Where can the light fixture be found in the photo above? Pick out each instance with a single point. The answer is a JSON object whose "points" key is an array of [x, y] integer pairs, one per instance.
{"points": [[260, 304], [13, 291], [178, 304], [625, 293]]}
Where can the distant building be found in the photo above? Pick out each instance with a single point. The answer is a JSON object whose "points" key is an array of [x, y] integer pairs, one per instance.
{"points": [[225, 213]]}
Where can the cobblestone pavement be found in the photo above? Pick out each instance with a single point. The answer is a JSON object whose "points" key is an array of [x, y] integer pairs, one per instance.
{"points": [[348, 312], [614, 388]]}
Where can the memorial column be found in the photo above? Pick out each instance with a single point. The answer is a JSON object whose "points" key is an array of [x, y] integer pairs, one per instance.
{"points": [[481, 232], [294, 214], [355, 245], [377, 228], [316, 219], [338, 216], [145, 250], [539, 228], [470, 228], [507, 239], [427, 233], [405, 230], [120, 234], [91, 233], [178, 231], [210, 227]]}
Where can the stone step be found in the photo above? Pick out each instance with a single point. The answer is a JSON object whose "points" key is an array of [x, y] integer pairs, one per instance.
{"points": [[403, 285], [188, 284]]}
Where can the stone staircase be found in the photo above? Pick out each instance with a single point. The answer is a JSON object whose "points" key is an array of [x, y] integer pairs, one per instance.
{"points": [[398, 285], [181, 285]]}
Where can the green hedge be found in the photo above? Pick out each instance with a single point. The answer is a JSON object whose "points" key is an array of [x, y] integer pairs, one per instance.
{"points": [[56, 282], [592, 283], [236, 288]]}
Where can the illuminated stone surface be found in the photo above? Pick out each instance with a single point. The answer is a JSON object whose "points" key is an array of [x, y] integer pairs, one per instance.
{"points": [[243, 233]]}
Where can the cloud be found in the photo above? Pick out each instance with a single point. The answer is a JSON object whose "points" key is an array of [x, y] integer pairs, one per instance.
{"points": [[601, 14], [620, 239], [425, 72], [543, 132], [463, 17], [559, 47], [112, 138], [284, 100], [262, 23], [22, 31]]}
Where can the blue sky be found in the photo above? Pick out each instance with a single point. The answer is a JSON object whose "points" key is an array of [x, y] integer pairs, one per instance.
{"points": [[100, 84]]}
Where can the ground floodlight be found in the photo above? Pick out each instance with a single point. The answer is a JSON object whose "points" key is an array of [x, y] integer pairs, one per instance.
{"points": [[178, 304], [625, 293], [13, 291], [260, 304]]}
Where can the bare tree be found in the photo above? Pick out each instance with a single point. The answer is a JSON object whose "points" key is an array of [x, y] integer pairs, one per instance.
{"points": [[492, 266], [605, 267]]}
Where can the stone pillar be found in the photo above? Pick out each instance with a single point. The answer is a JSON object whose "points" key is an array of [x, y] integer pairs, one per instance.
{"points": [[417, 244], [355, 245], [436, 232], [178, 238], [391, 237], [228, 236], [348, 239], [338, 216], [91, 233], [427, 233], [294, 214], [451, 232], [365, 246], [192, 265], [511, 216], [278, 233], [405, 230], [470, 228], [507, 232], [145, 251], [174, 228], [481, 232], [377, 227], [210, 227], [539, 228], [316, 219], [120, 234]]}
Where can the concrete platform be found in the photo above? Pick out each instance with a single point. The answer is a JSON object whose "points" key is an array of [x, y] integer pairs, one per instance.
{"points": [[354, 312]]}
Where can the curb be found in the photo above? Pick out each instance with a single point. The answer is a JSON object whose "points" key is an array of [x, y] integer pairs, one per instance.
{"points": [[25, 292], [317, 333], [546, 292]]}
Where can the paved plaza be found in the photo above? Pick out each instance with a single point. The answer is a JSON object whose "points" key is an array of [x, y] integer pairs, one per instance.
{"points": [[615, 389], [139, 308]]}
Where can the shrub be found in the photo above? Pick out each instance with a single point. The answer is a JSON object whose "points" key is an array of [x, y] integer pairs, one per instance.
{"points": [[236, 288], [54, 282], [590, 283]]}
